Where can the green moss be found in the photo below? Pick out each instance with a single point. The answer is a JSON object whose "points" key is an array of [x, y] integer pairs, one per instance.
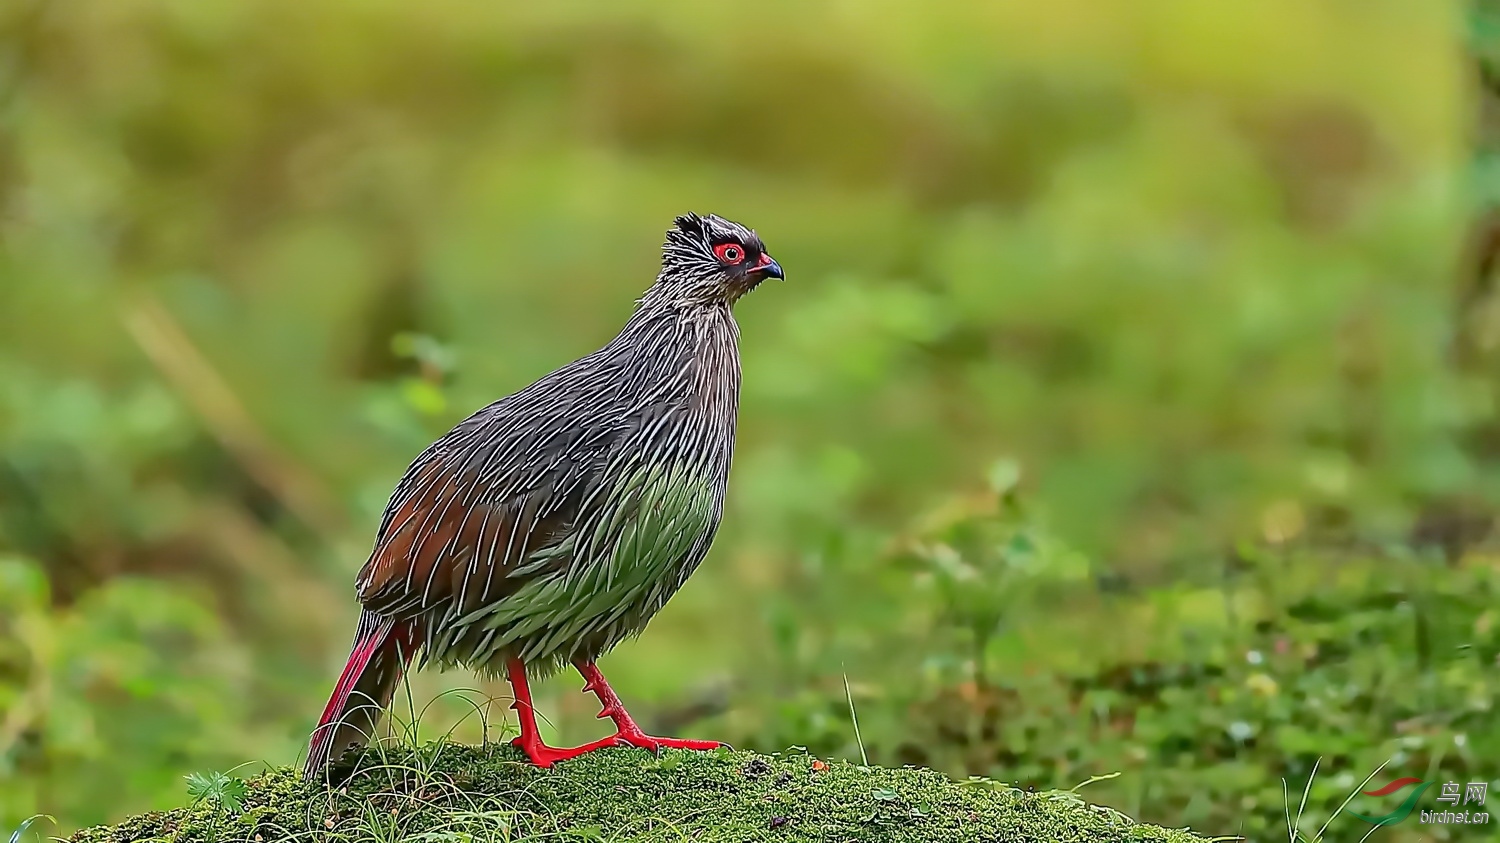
{"points": [[469, 793]]}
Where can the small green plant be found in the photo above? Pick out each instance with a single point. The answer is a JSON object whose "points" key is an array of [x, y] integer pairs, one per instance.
{"points": [[1296, 833], [864, 758], [435, 365], [987, 558], [224, 792]]}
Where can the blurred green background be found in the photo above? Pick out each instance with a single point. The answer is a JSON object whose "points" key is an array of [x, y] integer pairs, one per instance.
{"points": [[1130, 408]]}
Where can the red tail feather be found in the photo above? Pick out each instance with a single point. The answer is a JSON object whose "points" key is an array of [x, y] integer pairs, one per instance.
{"points": [[382, 649]]}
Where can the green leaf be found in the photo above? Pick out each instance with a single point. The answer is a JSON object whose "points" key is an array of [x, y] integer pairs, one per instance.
{"points": [[201, 787], [226, 792], [232, 795], [424, 397], [253, 816], [1004, 476], [669, 762]]}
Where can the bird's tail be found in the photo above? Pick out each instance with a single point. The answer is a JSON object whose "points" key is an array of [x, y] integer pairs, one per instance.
{"points": [[382, 649]]}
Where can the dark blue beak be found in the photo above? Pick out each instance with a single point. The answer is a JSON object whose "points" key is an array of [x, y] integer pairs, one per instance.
{"points": [[767, 267]]}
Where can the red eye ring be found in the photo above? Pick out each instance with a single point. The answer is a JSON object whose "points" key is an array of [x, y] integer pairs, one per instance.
{"points": [[730, 253]]}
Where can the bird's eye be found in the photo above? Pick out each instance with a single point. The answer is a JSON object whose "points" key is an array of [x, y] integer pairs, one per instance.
{"points": [[729, 253]]}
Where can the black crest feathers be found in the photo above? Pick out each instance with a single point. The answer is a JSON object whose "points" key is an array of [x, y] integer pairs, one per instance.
{"points": [[690, 223]]}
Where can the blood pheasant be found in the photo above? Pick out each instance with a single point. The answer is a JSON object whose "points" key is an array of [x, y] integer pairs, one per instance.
{"points": [[551, 525]]}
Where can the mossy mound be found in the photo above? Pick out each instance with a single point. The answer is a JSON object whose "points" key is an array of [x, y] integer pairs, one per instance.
{"points": [[440, 793]]}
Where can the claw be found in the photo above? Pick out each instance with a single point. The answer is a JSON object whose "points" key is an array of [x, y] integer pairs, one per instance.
{"points": [[545, 756], [642, 740], [627, 733]]}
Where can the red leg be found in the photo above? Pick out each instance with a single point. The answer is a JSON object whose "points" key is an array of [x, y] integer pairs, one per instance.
{"points": [[626, 729], [530, 740]]}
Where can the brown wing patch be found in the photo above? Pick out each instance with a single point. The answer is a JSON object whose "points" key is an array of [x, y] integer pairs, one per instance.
{"points": [[405, 570], [445, 541]]}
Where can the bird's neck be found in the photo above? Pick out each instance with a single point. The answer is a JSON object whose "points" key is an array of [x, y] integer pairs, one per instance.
{"points": [[665, 332], [661, 312]]}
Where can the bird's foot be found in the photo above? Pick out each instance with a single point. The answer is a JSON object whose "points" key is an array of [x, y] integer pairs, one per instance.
{"points": [[545, 756], [637, 738]]}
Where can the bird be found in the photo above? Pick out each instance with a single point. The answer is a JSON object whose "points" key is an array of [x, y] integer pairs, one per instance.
{"points": [[554, 523]]}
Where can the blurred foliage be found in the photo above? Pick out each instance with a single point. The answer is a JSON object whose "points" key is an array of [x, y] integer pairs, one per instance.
{"points": [[1208, 283], [131, 670], [1204, 696]]}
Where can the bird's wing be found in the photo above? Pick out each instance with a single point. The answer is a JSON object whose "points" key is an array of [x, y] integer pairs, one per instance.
{"points": [[503, 485]]}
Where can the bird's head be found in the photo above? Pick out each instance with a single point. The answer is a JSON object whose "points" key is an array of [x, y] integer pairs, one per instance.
{"points": [[710, 259]]}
